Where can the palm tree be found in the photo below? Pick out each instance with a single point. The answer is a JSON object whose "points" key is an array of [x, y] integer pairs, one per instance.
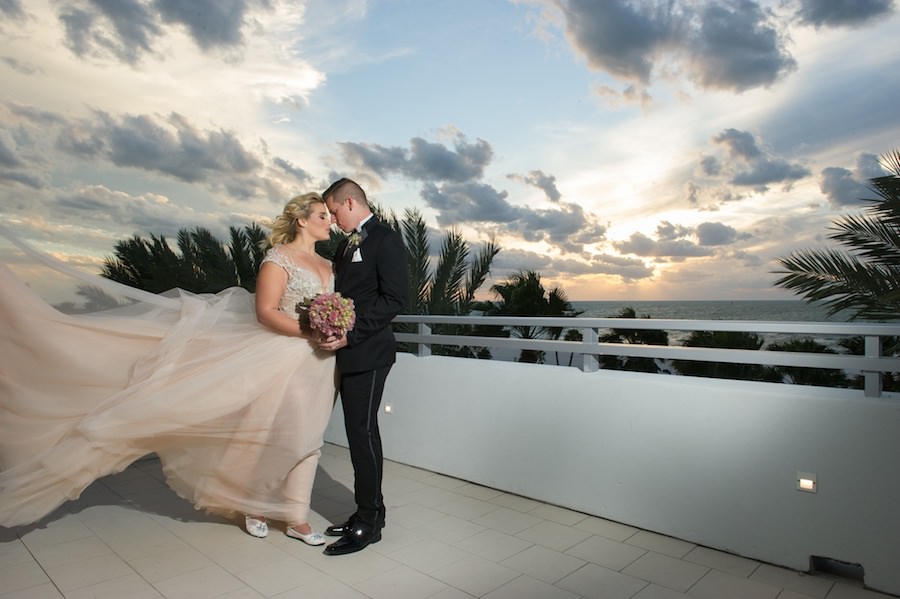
{"points": [[523, 294], [890, 346], [450, 288], [822, 377], [724, 370], [204, 265], [865, 278], [632, 336]]}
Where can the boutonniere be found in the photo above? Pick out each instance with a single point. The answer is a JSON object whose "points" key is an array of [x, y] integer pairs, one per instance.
{"points": [[355, 238]]}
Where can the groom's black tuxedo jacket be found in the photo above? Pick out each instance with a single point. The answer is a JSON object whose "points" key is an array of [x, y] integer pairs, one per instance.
{"points": [[377, 284]]}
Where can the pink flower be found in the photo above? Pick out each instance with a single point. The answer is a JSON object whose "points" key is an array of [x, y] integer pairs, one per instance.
{"points": [[330, 314]]}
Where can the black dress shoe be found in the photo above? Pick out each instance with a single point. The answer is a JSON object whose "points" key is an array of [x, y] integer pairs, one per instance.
{"points": [[353, 541], [339, 530]]}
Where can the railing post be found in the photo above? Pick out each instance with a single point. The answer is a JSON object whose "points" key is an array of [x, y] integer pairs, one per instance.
{"points": [[589, 362], [424, 348], [872, 380]]}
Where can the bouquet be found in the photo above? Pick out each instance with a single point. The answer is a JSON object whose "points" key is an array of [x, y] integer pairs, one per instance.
{"points": [[329, 313]]}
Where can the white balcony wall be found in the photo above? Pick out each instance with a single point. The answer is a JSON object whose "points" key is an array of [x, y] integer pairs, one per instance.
{"points": [[713, 462]]}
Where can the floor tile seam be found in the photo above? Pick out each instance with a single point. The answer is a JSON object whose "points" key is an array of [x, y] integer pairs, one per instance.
{"points": [[425, 572], [498, 528], [446, 585], [584, 563], [99, 539], [748, 575], [528, 511], [561, 551], [105, 580], [644, 552], [39, 565], [554, 549], [330, 559], [487, 592], [448, 500], [708, 570], [590, 563], [192, 570], [283, 555], [831, 583], [462, 517], [687, 591], [659, 552], [418, 528]]}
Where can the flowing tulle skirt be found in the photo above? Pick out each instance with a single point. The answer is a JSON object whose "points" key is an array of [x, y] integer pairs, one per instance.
{"points": [[235, 412]]}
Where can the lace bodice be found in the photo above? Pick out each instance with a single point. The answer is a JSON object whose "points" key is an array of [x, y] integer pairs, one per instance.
{"points": [[302, 283]]}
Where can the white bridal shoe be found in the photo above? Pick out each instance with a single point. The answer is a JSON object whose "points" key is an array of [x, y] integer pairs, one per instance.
{"points": [[256, 526], [313, 538]]}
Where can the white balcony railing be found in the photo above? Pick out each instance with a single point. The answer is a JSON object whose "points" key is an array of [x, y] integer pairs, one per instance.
{"points": [[586, 352]]}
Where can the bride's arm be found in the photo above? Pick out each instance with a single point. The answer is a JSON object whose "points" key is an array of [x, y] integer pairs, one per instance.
{"points": [[270, 285]]}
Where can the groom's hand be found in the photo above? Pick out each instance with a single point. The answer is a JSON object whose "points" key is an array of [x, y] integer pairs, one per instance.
{"points": [[333, 343]]}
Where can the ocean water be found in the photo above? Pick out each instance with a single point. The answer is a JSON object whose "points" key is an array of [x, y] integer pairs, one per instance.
{"points": [[755, 310], [780, 310]]}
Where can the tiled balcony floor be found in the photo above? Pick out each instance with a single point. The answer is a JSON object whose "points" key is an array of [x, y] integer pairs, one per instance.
{"points": [[129, 536]]}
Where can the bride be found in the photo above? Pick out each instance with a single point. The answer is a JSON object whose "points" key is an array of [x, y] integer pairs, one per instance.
{"points": [[228, 390]]}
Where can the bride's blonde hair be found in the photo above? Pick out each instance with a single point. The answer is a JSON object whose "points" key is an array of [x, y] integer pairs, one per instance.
{"points": [[284, 228]]}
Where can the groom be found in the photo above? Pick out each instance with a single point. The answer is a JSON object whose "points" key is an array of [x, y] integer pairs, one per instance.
{"points": [[369, 268]]}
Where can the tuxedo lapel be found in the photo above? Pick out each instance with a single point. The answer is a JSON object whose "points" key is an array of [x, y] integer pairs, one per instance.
{"points": [[344, 255]]}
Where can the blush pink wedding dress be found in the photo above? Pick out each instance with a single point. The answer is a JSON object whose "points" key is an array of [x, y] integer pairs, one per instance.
{"points": [[235, 412]]}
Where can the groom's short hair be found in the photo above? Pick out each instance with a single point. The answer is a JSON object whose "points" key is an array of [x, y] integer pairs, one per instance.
{"points": [[344, 187]]}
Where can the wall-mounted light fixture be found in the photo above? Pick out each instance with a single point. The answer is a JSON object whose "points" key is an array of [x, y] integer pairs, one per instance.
{"points": [[806, 481]]}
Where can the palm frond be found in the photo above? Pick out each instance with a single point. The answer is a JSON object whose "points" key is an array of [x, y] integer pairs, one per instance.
{"points": [[448, 274], [415, 236], [479, 269], [864, 278]]}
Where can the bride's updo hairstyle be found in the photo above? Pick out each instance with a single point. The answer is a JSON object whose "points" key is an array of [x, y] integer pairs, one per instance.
{"points": [[284, 228]]}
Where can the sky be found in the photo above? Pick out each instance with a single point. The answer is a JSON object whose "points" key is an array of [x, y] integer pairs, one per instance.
{"points": [[623, 149]]}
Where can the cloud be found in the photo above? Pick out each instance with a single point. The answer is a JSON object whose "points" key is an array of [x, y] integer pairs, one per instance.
{"points": [[842, 13], [19, 66], [124, 29], [468, 203], [129, 29], [171, 147], [627, 268], [740, 144], [294, 171], [567, 227], [674, 242], [709, 233], [667, 231], [767, 171], [8, 157], [733, 45], [12, 9], [676, 249], [98, 205], [175, 147], [618, 37], [544, 182], [737, 47], [211, 23], [423, 161], [710, 165], [750, 166], [842, 187]]}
